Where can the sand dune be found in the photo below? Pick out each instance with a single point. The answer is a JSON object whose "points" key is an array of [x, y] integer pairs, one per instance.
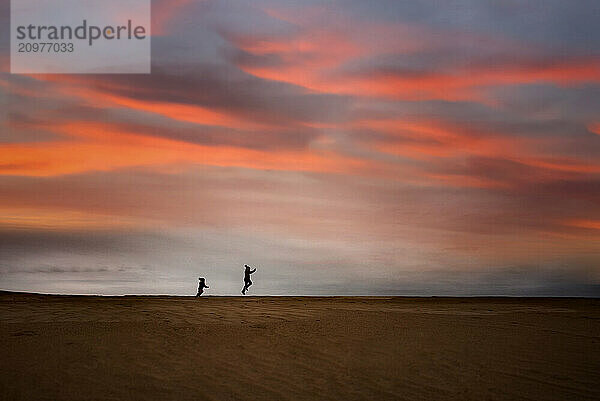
{"points": [[295, 348]]}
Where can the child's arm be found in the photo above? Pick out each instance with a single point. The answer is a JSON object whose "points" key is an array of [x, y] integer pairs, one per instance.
{"points": [[252, 271]]}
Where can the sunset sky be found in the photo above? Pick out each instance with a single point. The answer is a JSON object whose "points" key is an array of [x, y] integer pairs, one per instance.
{"points": [[343, 147]]}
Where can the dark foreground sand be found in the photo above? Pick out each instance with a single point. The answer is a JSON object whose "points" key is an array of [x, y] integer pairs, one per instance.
{"points": [[294, 348]]}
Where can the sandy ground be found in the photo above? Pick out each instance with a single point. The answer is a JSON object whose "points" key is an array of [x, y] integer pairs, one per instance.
{"points": [[295, 348]]}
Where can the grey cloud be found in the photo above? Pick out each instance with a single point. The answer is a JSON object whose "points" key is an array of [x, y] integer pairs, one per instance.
{"points": [[24, 241], [228, 89], [552, 23]]}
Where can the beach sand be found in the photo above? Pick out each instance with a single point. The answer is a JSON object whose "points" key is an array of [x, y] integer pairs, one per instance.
{"points": [[297, 348]]}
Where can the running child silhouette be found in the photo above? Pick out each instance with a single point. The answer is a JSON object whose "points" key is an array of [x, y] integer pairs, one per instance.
{"points": [[247, 281], [201, 286]]}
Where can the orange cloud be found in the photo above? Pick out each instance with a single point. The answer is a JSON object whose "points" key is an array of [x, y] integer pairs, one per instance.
{"points": [[102, 97], [48, 219], [461, 85], [315, 59], [437, 140], [581, 223], [92, 146], [175, 111], [96, 147], [466, 181], [302, 59], [164, 12], [316, 48]]}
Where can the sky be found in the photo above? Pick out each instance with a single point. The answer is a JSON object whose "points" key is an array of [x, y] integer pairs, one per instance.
{"points": [[385, 147]]}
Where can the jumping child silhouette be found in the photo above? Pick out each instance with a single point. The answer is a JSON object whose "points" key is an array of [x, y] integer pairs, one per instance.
{"points": [[201, 286], [247, 281]]}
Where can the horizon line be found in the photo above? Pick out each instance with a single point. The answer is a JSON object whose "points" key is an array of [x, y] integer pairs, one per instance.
{"points": [[8, 292]]}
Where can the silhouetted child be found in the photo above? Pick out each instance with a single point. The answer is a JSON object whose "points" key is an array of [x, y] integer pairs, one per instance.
{"points": [[247, 281], [201, 286]]}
